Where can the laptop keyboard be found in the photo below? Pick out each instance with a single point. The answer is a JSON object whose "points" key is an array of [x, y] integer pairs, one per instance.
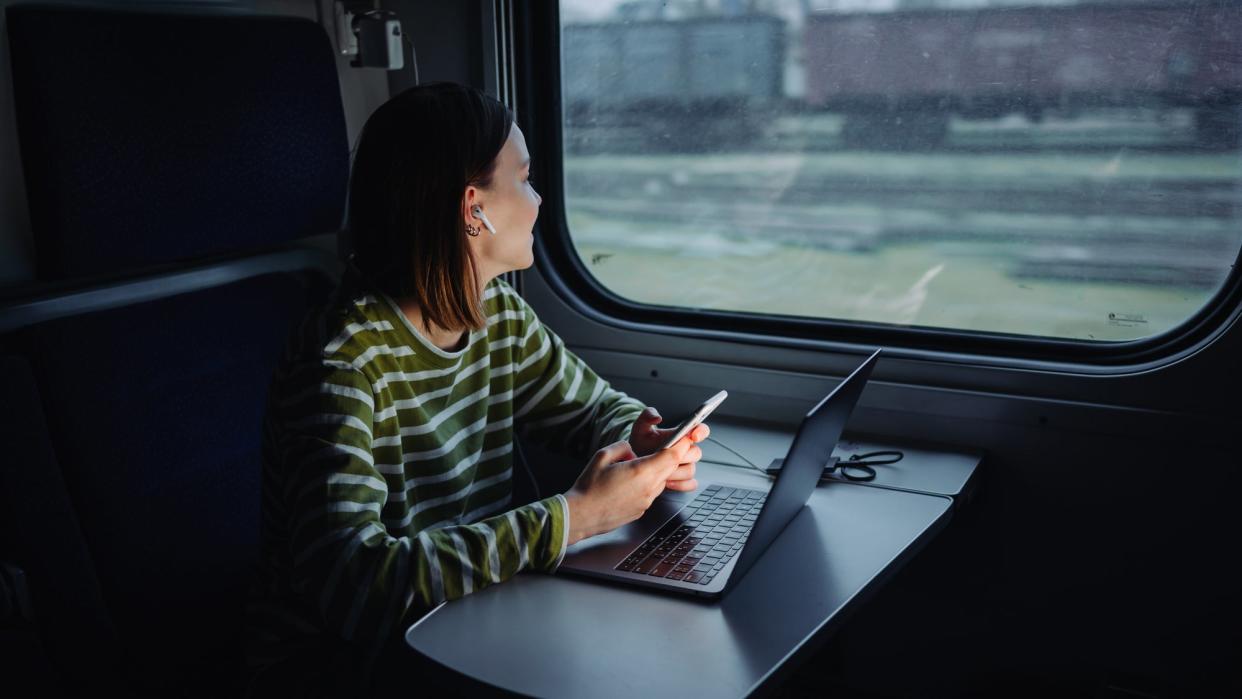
{"points": [[697, 543]]}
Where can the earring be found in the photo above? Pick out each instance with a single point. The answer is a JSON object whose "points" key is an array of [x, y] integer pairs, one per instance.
{"points": [[472, 230]]}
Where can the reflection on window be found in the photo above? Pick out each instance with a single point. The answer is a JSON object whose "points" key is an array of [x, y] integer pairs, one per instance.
{"points": [[1045, 169]]}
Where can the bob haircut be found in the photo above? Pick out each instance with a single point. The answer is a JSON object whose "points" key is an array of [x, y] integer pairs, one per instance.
{"points": [[415, 157]]}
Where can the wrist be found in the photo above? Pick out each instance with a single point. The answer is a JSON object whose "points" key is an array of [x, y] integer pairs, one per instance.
{"points": [[577, 513]]}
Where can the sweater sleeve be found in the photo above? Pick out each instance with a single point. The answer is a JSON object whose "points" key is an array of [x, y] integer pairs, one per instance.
{"points": [[360, 577], [559, 400]]}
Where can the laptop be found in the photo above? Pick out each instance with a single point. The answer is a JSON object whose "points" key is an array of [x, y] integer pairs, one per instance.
{"points": [[702, 543]]}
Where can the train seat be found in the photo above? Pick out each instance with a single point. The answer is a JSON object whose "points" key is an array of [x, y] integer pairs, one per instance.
{"points": [[174, 161]]}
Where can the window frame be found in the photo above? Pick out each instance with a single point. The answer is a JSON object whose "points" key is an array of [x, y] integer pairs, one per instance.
{"points": [[540, 114]]}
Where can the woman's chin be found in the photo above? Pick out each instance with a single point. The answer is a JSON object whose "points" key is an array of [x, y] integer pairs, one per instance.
{"points": [[520, 262]]}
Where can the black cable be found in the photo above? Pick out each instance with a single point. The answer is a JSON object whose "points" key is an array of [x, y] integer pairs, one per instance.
{"points": [[750, 464], [865, 463], [861, 462], [855, 467], [521, 459], [413, 55]]}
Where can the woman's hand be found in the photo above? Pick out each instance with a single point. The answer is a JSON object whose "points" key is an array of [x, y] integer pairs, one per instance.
{"points": [[646, 438], [618, 486]]}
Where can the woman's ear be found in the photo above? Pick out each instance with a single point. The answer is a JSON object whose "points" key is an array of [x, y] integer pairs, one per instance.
{"points": [[468, 201]]}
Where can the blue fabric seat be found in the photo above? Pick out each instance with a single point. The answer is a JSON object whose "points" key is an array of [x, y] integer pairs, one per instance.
{"points": [[168, 138], [163, 147], [56, 561], [154, 412]]}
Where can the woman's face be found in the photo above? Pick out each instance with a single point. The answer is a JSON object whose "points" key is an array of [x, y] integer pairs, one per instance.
{"points": [[511, 203]]}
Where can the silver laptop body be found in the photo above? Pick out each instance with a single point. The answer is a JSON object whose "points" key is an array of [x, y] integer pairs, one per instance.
{"points": [[661, 543]]}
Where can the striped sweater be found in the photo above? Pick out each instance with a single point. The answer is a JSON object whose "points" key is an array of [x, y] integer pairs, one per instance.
{"points": [[388, 467]]}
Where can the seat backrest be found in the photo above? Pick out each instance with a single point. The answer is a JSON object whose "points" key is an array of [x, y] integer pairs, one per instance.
{"points": [[55, 560], [148, 139], [183, 151], [154, 412]]}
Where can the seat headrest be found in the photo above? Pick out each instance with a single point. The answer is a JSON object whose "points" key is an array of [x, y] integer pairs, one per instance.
{"points": [[149, 138]]}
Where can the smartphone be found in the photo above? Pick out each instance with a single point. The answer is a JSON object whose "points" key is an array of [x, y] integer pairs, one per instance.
{"points": [[700, 414]]}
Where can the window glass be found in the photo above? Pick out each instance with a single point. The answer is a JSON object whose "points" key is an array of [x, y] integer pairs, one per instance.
{"points": [[1052, 169]]}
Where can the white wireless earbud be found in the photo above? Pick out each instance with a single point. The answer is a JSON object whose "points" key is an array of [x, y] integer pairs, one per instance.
{"points": [[478, 213]]}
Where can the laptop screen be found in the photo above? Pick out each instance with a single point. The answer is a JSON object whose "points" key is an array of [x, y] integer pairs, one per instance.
{"points": [[817, 436]]}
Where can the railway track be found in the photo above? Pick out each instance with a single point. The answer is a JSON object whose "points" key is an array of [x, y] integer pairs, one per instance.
{"points": [[1191, 242], [792, 132], [1062, 196]]}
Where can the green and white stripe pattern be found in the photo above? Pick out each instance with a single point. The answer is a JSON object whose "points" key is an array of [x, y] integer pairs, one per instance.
{"points": [[388, 469]]}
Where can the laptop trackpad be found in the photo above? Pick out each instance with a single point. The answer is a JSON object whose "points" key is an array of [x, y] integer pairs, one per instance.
{"points": [[608, 549]]}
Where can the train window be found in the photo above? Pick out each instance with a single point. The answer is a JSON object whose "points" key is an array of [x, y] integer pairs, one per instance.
{"points": [[1045, 169]]}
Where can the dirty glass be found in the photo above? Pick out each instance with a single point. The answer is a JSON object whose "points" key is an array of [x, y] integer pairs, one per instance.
{"points": [[1043, 169]]}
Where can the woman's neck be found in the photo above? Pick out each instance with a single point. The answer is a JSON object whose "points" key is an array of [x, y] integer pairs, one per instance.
{"points": [[447, 340]]}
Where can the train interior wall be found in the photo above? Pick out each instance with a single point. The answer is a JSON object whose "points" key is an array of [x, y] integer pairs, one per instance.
{"points": [[1094, 562], [1095, 558], [1087, 565]]}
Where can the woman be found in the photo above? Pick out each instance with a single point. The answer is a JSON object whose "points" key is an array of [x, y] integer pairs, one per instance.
{"points": [[388, 441]]}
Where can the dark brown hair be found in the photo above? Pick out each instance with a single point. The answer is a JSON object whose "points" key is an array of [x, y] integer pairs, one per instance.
{"points": [[415, 157]]}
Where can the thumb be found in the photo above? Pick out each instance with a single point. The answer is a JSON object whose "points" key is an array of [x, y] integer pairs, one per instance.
{"points": [[650, 415], [617, 451], [664, 462]]}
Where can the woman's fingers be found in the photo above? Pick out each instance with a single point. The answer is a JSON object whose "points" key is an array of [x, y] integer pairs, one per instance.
{"points": [[682, 472], [696, 435], [617, 451], [687, 454], [684, 486], [650, 415], [685, 468], [686, 451]]}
